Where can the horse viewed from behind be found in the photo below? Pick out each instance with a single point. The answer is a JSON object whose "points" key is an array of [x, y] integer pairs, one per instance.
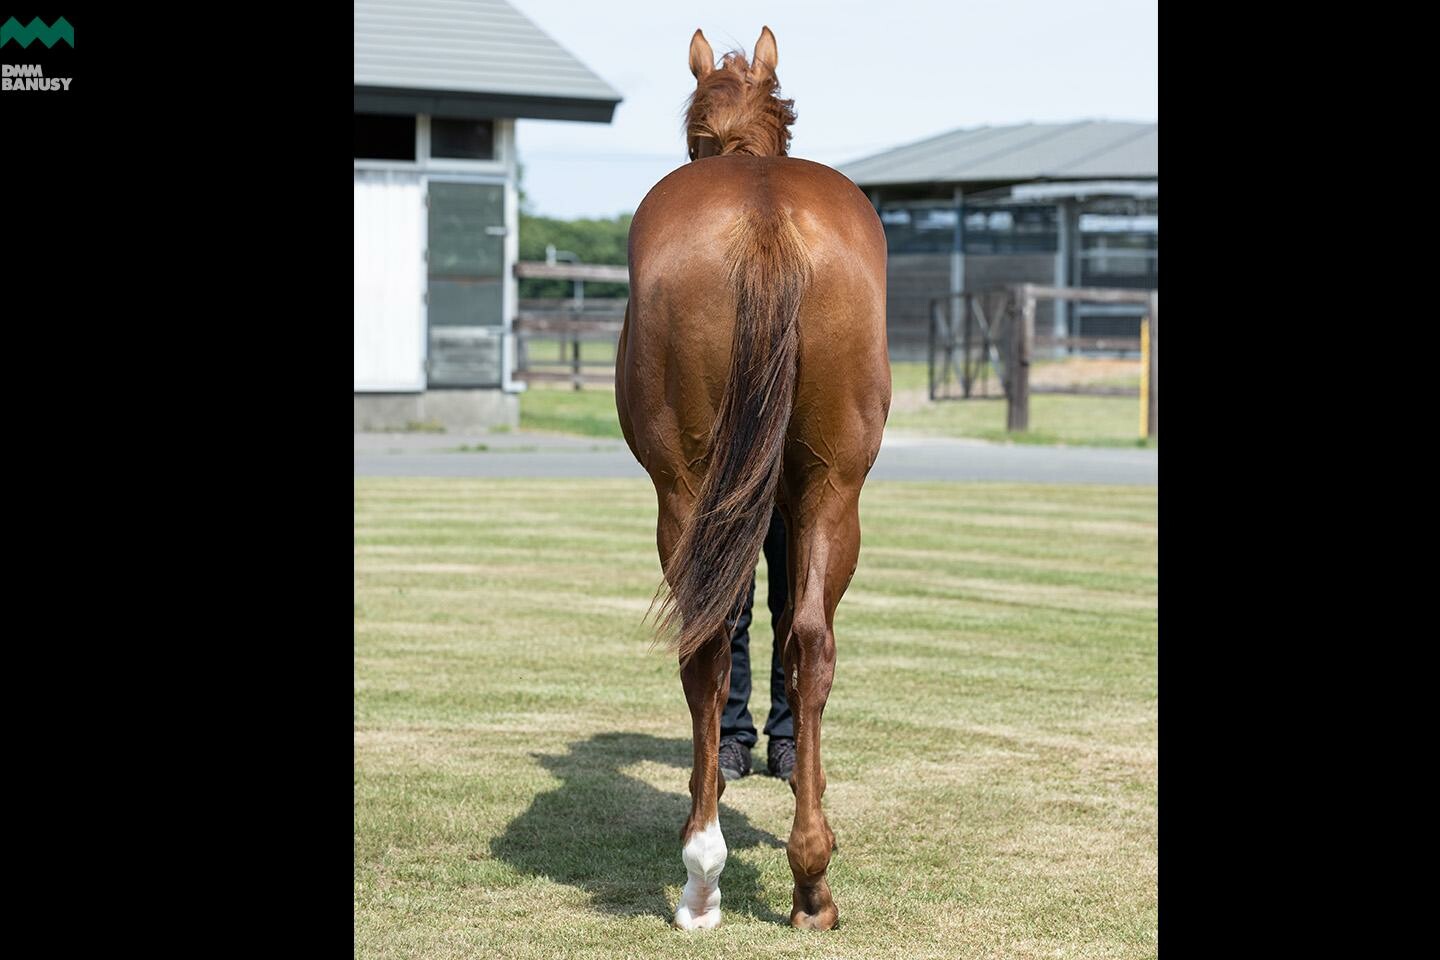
{"points": [[752, 372]]}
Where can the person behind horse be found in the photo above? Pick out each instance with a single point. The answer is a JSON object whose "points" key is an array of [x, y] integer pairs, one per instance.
{"points": [[737, 729]]}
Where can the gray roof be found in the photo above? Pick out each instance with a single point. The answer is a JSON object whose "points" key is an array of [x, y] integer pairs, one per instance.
{"points": [[1027, 151], [477, 57]]}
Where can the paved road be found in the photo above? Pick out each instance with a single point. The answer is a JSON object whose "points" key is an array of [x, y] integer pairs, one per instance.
{"points": [[901, 458]]}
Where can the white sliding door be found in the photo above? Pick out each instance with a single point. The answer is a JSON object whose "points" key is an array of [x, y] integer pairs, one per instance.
{"points": [[389, 281]]}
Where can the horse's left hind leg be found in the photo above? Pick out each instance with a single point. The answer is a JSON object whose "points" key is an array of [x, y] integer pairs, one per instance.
{"points": [[706, 679], [707, 683]]}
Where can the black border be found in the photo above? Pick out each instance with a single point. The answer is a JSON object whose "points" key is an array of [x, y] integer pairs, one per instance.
{"points": [[188, 204]]}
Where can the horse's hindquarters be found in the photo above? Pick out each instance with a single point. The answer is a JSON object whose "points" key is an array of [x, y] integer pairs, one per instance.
{"points": [[761, 279], [683, 307]]}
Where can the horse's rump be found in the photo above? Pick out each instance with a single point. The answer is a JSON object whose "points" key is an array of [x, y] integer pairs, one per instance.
{"points": [[710, 567]]}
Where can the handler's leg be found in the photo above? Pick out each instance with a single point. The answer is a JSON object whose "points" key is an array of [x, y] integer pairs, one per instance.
{"points": [[780, 724], [735, 721]]}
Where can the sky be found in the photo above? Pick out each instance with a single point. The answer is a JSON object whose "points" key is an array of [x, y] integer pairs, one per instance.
{"points": [[865, 75]]}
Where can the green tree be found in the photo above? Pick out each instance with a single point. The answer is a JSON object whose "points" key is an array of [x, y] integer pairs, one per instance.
{"points": [[593, 241]]}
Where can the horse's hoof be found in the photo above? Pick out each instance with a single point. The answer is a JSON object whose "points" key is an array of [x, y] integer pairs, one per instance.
{"points": [[708, 920], [811, 907], [824, 920]]}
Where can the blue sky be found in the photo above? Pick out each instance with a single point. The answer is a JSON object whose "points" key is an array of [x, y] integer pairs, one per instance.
{"points": [[865, 76]]}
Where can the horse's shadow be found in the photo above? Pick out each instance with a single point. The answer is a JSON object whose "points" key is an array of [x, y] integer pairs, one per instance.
{"points": [[618, 838]]}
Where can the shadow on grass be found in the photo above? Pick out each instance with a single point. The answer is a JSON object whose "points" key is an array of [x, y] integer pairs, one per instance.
{"points": [[618, 838]]}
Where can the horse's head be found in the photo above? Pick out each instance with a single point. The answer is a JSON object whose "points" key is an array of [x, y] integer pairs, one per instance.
{"points": [[736, 106]]}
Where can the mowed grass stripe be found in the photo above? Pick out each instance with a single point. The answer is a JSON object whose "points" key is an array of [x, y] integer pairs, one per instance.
{"points": [[521, 752], [1003, 580]]}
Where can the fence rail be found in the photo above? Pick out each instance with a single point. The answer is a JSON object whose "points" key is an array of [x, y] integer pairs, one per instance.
{"points": [[536, 270], [1113, 344]]}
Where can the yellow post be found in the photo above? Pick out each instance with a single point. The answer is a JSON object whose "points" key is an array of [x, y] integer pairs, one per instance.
{"points": [[1144, 377]]}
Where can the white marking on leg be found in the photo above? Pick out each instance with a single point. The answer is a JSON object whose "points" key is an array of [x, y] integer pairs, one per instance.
{"points": [[704, 857]]}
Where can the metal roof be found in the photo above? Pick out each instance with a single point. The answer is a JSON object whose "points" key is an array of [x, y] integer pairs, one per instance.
{"points": [[479, 58], [1027, 151]]}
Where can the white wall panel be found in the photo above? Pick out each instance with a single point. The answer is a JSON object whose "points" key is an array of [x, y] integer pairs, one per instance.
{"points": [[389, 281]]}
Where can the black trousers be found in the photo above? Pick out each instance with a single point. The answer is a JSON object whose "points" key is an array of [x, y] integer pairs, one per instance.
{"points": [[735, 721]]}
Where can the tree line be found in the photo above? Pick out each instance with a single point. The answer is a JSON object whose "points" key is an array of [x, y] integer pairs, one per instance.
{"points": [[592, 241]]}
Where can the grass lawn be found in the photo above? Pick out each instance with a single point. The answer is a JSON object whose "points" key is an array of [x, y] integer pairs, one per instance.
{"points": [[1088, 421], [554, 351], [559, 408], [521, 755], [1054, 418]]}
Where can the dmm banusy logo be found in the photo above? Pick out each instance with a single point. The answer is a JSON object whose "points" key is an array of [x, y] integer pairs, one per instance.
{"points": [[37, 29]]}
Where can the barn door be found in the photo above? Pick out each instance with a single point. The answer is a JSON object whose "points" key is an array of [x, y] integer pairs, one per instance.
{"points": [[466, 283], [389, 282]]}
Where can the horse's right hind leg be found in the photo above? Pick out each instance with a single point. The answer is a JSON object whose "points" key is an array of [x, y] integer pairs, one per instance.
{"points": [[827, 545]]}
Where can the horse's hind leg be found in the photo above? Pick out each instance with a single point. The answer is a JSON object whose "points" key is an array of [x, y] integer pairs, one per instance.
{"points": [[707, 683], [826, 546], [706, 679]]}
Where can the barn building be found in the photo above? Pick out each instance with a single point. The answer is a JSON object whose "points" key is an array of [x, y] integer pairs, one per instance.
{"points": [[1063, 204], [439, 85]]}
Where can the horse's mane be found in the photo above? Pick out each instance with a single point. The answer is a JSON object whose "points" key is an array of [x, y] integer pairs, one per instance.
{"points": [[741, 117]]}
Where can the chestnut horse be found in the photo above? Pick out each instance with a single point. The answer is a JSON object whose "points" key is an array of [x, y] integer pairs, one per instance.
{"points": [[752, 371]]}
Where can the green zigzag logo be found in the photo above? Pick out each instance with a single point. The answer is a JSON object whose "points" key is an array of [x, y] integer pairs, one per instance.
{"points": [[37, 30]]}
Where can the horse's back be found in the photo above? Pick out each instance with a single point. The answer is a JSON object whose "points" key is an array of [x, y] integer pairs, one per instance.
{"points": [[682, 312], [680, 232]]}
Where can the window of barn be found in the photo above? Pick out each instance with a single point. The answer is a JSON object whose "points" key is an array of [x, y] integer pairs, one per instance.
{"points": [[453, 139], [1120, 244], [384, 137], [919, 228], [1011, 229]]}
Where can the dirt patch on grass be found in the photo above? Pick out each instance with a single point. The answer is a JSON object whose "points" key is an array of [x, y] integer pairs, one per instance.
{"points": [[1078, 373], [1086, 372]]}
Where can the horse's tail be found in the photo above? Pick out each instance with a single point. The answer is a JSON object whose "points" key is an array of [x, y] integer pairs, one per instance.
{"points": [[710, 568]]}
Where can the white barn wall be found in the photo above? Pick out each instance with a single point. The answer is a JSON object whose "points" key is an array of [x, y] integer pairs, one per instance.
{"points": [[495, 61], [389, 281], [506, 135]]}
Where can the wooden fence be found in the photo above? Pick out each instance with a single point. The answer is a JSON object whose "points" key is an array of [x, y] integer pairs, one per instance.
{"points": [[568, 324], [996, 330], [1007, 324]]}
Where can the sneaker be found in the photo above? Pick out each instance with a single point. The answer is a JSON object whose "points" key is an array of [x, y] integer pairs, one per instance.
{"points": [[734, 759], [782, 757]]}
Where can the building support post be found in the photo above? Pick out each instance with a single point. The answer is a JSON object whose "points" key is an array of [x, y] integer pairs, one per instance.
{"points": [[510, 285], [1062, 277], [957, 252]]}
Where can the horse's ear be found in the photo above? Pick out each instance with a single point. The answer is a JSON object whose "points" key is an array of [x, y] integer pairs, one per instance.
{"points": [[702, 59], [765, 59]]}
